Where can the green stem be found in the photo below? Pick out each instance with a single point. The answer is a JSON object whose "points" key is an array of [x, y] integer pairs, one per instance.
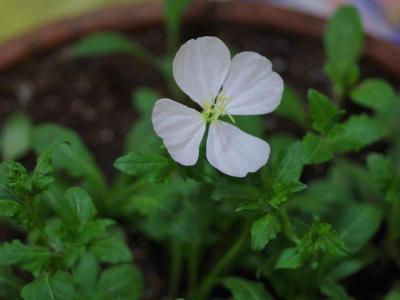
{"points": [[194, 260], [176, 268], [222, 265], [288, 227]]}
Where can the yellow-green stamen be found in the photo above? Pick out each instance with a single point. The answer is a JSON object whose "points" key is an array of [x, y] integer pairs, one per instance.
{"points": [[212, 111]]}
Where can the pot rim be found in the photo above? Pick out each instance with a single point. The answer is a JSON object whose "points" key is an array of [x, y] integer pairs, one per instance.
{"points": [[136, 17]]}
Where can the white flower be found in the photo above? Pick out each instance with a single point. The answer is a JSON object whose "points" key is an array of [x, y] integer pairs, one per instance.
{"points": [[245, 85]]}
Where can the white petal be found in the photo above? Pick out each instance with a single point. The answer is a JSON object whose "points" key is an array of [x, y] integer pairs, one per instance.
{"points": [[233, 151], [200, 67], [181, 128], [251, 86]]}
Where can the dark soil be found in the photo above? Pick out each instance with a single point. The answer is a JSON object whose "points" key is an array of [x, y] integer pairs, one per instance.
{"points": [[93, 97]]}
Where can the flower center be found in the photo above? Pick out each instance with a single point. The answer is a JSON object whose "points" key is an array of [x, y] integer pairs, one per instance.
{"points": [[213, 111]]}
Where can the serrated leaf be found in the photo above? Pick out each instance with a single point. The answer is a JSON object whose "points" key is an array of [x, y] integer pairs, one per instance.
{"points": [[43, 174], [289, 259], [385, 176], [324, 113], [153, 167], [316, 149], [79, 206], [123, 282], [264, 230], [322, 238], [17, 253], [356, 133], [8, 208], [50, 287], [243, 289], [375, 94], [15, 138], [111, 250]]}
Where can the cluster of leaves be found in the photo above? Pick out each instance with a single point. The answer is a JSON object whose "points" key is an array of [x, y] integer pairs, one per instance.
{"points": [[66, 242], [304, 223]]}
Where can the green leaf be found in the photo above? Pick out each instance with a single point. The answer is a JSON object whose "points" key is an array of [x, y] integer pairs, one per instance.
{"points": [[356, 133], [357, 225], [289, 166], [385, 176], [86, 273], [71, 155], [264, 230], [343, 41], [381, 169], [80, 207], [316, 149], [153, 167], [43, 174], [334, 291], [229, 191], [322, 238], [144, 99], [107, 43], [17, 179], [8, 208], [141, 137], [15, 138], [352, 265], [243, 289], [123, 282], [17, 253], [95, 229], [394, 294], [375, 94], [323, 112], [50, 287], [289, 259], [111, 250], [251, 124], [103, 43], [292, 107]]}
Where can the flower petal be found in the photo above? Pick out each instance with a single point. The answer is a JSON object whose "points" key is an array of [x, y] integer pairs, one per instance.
{"points": [[200, 67], [181, 129], [234, 152], [252, 87]]}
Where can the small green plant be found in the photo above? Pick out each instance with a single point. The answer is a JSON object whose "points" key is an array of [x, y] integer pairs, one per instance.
{"points": [[251, 220]]}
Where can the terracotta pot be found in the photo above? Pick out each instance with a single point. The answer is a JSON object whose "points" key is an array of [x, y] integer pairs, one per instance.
{"points": [[137, 17]]}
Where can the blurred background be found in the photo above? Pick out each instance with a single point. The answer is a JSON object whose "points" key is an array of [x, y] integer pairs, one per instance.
{"points": [[381, 17]]}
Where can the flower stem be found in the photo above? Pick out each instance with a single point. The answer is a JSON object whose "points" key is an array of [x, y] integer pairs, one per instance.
{"points": [[222, 265], [176, 268], [193, 268]]}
